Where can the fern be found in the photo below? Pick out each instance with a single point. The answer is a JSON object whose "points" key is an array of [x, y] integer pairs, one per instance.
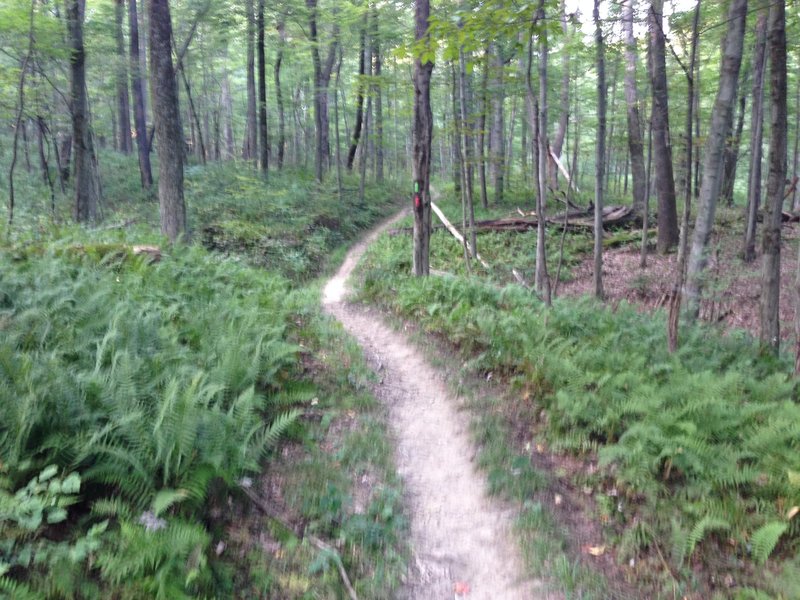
{"points": [[765, 538]]}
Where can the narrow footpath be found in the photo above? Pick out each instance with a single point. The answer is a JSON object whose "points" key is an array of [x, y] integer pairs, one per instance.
{"points": [[462, 544]]}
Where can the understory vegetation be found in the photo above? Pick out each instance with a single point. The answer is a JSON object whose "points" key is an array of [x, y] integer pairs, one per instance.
{"points": [[699, 472], [140, 397]]}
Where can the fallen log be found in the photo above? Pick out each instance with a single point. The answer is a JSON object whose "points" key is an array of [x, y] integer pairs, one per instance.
{"points": [[457, 234]]}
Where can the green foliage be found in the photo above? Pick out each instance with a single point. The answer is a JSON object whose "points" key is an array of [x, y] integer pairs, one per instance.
{"points": [[150, 380], [701, 440]]}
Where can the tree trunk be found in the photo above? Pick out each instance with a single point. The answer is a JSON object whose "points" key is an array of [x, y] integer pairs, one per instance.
{"points": [[733, 145], [421, 133], [167, 121], [87, 190], [482, 130], [600, 159], [756, 139], [466, 153], [795, 159], [123, 102], [563, 116], [771, 245], [263, 139], [137, 87], [227, 108], [250, 149], [378, 92], [662, 148], [279, 94], [322, 76], [635, 143], [714, 152], [497, 150], [351, 155]]}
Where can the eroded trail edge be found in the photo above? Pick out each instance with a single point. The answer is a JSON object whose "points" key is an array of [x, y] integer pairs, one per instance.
{"points": [[461, 540]]}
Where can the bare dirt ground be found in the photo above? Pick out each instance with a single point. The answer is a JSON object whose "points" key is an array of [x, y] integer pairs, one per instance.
{"points": [[734, 288], [461, 540]]}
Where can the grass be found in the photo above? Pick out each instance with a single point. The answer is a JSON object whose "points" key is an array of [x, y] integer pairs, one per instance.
{"points": [[698, 447]]}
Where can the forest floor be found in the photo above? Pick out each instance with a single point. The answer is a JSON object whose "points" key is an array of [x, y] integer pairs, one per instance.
{"points": [[461, 540], [733, 288]]}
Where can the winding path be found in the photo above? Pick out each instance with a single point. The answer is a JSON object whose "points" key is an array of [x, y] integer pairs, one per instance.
{"points": [[461, 540]]}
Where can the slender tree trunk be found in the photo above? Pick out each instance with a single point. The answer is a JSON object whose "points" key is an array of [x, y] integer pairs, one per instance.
{"points": [[339, 187], [496, 135], [756, 139], [87, 192], [20, 113], [600, 160], [279, 95], [378, 93], [771, 243], [227, 108], [137, 87], [422, 132], [360, 92], [250, 150], [795, 162], [364, 152], [482, 130], [198, 141], [123, 103], [322, 76], [662, 149], [263, 137], [563, 116], [168, 122], [673, 321], [732, 147], [714, 152], [635, 143], [467, 154]]}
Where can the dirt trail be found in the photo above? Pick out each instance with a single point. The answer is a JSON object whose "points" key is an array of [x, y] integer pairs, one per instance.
{"points": [[461, 540]]}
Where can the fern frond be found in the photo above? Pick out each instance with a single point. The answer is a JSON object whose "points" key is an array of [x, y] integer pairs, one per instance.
{"points": [[765, 538]]}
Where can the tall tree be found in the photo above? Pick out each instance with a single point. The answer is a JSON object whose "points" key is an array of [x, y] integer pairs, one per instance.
{"points": [[169, 131], [360, 91], [497, 150], [250, 147], [137, 88], [322, 77], [378, 94], [422, 132], [600, 159], [87, 183], [263, 138], [771, 242], [635, 143], [714, 152], [278, 93], [756, 138], [662, 148], [125, 143]]}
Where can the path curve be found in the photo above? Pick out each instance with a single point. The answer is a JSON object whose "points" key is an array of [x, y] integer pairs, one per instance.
{"points": [[461, 540]]}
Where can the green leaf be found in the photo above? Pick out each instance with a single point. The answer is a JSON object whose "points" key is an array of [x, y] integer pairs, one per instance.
{"points": [[165, 499], [57, 515], [71, 484], [48, 473], [765, 538]]}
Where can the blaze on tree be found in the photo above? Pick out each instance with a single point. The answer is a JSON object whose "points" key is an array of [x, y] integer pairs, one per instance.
{"points": [[422, 132], [169, 131]]}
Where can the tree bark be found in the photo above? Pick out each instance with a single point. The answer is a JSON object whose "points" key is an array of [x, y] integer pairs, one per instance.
{"points": [[263, 136], [733, 146], [662, 148], [600, 159], [123, 102], [563, 116], [322, 76], [250, 149], [351, 155], [168, 129], [378, 93], [482, 130], [756, 139], [635, 143], [771, 243], [714, 151], [421, 135], [497, 150], [137, 87], [87, 189]]}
